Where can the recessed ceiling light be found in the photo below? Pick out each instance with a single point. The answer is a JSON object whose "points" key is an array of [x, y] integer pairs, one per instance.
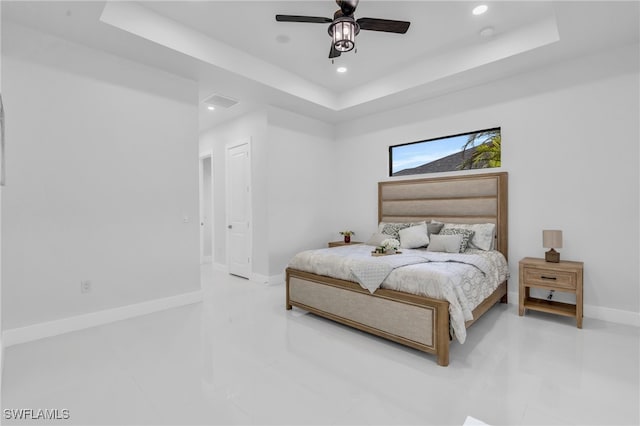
{"points": [[479, 10], [487, 32], [341, 70], [211, 107]]}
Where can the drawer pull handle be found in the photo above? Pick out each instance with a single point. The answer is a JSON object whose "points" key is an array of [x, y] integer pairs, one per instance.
{"points": [[547, 278]]}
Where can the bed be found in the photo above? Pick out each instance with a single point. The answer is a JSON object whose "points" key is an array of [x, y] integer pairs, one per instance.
{"points": [[414, 320]]}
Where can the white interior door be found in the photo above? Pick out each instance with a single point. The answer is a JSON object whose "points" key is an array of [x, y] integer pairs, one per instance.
{"points": [[206, 208], [239, 210]]}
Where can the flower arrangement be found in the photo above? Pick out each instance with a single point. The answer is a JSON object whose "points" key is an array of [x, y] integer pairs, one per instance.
{"points": [[347, 236], [390, 245]]}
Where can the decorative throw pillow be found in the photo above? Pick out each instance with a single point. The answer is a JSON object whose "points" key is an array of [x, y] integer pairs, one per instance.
{"points": [[393, 229], [434, 228], [377, 239], [445, 243], [483, 234], [466, 234], [414, 236]]}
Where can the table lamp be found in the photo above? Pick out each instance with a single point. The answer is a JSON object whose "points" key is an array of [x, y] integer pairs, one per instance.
{"points": [[552, 239]]}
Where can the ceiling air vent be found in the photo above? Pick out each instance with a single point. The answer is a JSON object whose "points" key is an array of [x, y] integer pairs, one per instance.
{"points": [[220, 101]]}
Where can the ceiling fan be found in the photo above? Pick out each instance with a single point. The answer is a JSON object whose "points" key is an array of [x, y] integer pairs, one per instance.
{"points": [[344, 27]]}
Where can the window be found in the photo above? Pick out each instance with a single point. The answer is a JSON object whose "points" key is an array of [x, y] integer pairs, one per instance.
{"points": [[480, 149]]}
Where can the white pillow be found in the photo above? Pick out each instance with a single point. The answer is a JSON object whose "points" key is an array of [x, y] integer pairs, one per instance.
{"points": [[445, 243], [414, 236], [483, 234], [377, 239]]}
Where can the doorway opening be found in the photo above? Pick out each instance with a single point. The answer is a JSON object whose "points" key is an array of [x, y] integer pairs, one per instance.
{"points": [[206, 208]]}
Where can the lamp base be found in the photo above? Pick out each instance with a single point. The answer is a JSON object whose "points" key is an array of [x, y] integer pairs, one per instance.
{"points": [[552, 256]]}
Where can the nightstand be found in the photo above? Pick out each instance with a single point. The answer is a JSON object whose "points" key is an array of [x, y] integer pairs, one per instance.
{"points": [[565, 276], [342, 243]]}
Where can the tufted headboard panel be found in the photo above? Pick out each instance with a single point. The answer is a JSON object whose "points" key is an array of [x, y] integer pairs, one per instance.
{"points": [[475, 198]]}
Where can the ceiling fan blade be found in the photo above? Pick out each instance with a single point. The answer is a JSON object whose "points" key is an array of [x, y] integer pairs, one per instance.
{"points": [[385, 25], [297, 18], [334, 53]]}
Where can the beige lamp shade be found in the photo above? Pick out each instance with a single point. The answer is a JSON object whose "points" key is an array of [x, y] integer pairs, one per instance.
{"points": [[552, 239]]}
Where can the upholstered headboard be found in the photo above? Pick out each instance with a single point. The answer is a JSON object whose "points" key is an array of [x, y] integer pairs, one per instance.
{"points": [[475, 198]]}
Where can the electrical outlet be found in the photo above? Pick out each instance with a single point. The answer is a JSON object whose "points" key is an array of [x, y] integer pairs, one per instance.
{"points": [[85, 286]]}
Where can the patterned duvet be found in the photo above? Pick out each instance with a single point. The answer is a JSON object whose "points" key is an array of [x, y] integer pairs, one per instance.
{"points": [[464, 280]]}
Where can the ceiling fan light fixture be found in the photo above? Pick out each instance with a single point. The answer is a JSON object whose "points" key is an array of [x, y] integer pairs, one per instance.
{"points": [[344, 28], [343, 33]]}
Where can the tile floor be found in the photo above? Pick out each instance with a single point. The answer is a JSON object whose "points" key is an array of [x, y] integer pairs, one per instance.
{"points": [[241, 358]]}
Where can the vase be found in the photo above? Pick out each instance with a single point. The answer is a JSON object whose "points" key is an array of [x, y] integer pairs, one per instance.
{"points": [[390, 250], [347, 239]]}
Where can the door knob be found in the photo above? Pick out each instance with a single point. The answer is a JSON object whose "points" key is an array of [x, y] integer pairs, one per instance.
{"points": [[230, 226]]}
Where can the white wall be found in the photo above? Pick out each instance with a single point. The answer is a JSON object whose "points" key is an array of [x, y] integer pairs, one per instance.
{"points": [[304, 184], [570, 144], [103, 166]]}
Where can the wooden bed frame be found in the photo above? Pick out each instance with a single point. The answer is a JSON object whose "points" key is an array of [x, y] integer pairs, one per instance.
{"points": [[415, 321]]}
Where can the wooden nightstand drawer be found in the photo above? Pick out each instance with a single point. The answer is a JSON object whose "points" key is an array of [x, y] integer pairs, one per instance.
{"points": [[564, 276], [549, 278]]}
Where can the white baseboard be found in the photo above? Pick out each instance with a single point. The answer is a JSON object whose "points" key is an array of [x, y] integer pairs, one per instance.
{"points": [[33, 332], [612, 315], [268, 280], [220, 267], [512, 297], [598, 312], [277, 279], [259, 278]]}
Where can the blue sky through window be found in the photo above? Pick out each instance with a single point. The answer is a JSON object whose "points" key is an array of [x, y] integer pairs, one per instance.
{"points": [[417, 154]]}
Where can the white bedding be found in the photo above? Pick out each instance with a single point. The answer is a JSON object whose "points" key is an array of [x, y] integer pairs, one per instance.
{"points": [[464, 280]]}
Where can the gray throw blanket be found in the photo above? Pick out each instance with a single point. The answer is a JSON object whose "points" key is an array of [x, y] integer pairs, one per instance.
{"points": [[370, 273]]}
